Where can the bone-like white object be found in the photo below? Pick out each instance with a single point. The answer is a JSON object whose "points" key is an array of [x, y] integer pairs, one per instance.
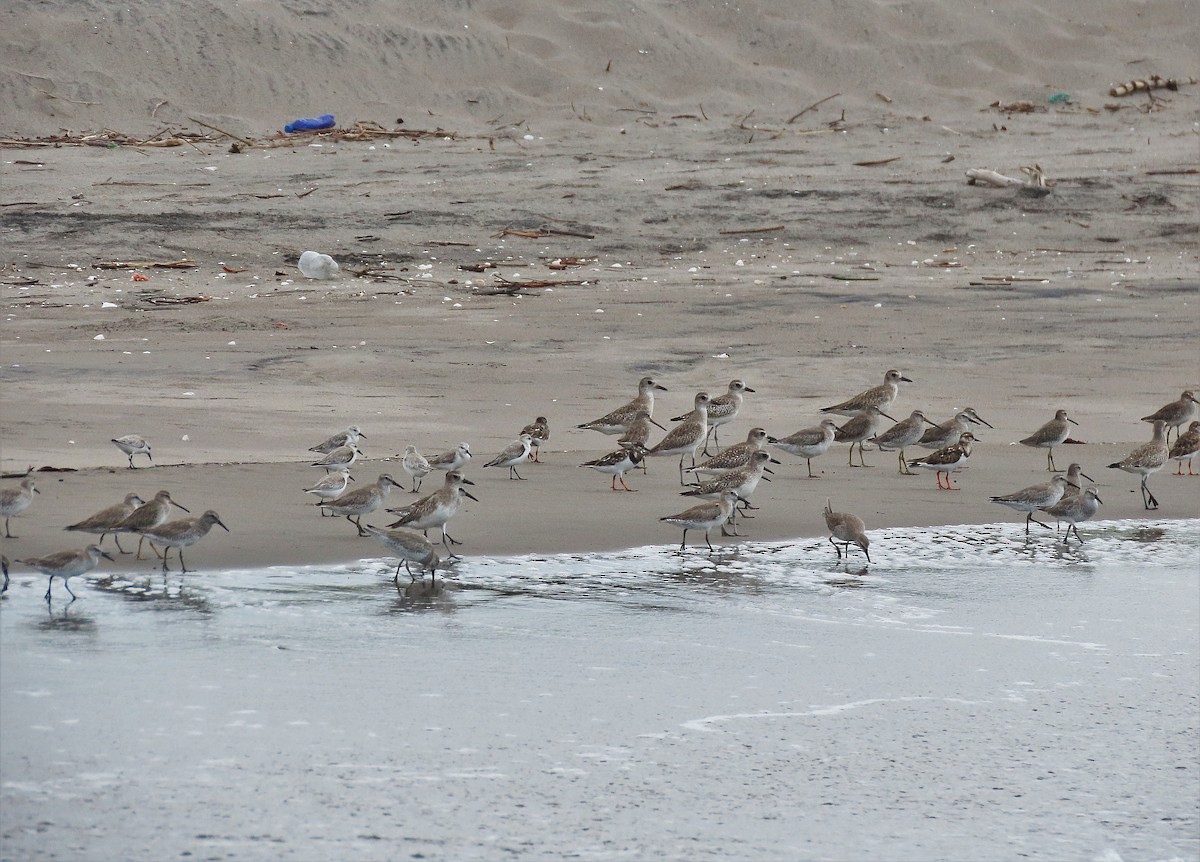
{"points": [[992, 178], [313, 264]]}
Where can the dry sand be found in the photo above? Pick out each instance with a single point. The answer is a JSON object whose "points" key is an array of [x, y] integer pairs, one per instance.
{"points": [[1099, 315]]}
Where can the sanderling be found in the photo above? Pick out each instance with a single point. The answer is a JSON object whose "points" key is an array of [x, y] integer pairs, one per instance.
{"points": [[808, 443], [331, 486], [1052, 434], [361, 501], [133, 444], [880, 397], [341, 458], [66, 565], [618, 421], [845, 528], [107, 520], [948, 460], [452, 460], [14, 501], [343, 438], [514, 453], [1146, 459], [1035, 497], [436, 509], [416, 466]]}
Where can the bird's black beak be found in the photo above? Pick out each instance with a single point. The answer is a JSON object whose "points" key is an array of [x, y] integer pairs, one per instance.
{"points": [[469, 494]]}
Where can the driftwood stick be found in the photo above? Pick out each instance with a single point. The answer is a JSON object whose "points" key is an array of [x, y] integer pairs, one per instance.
{"points": [[222, 131], [751, 230], [811, 107]]}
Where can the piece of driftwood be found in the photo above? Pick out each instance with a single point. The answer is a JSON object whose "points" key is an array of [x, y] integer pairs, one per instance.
{"points": [[1145, 85], [738, 231], [146, 264], [1036, 183]]}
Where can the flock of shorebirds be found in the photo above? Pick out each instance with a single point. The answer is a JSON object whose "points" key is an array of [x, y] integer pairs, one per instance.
{"points": [[725, 480]]}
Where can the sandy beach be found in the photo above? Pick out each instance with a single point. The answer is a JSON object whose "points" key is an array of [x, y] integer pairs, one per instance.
{"points": [[712, 227]]}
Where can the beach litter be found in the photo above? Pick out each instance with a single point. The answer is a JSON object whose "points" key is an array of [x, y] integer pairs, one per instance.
{"points": [[313, 264]]}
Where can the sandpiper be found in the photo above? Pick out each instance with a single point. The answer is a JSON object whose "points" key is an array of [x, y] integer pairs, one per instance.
{"points": [[331, 486], [1186, 448], [148, 516], [183, 534], [735, 456], [722, 410], [133, 444], [1177, 413], [416, 466], [686, 437], [452, 460], [1035, 497], [411, 547], [107, 520], [341, 458], [845, 528], [514, 453], [618, 463], [1146, 459], [343, 438], [880, 397], [618, 421], [66, 565], [361, 501], [1075, 475], [704, 517], [1076, 508], [14, 501], [539, 432], [808, 443], [1052, 434], [901, 435], [948, 460], [436, 509], [948, 432], [860, 427]]}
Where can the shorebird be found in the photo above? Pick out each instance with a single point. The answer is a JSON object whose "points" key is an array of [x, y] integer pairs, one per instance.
{"points": [[416, 466], [880, 397], [618, 463], [1052, 434], [1074, 509], [539, 432], [1075, 474], [65, 565], [436, 509], [146, 517], [686, 437], [107, 520], [331, 486], [901, 435], [341, 458], [514, 453], [846, 528], [411, 547], [638, 435], [1146, 459], [349, 437], [1177, 413], [704, 517], [618, 421], [808, 443], [721, 410], [14, 501], [452, 460], [859, 428], [948, 432], [1186, 448], [133, 444], [735, 456], [948, 460], [361, 501], [183, 534], [741, 482], [1035, 497]]}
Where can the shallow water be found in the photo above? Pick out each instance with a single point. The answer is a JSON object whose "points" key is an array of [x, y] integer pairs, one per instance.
{"points": [[973, 695]]}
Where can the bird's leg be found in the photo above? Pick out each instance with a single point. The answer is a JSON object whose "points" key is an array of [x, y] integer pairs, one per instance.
{"points": [[683, 544], [67, 584], [833, 542], [949, 486], [48, 586], [1146, 492], [513, 472], [623, 485], [1050, 460], [708, 542], [810, 472]]}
